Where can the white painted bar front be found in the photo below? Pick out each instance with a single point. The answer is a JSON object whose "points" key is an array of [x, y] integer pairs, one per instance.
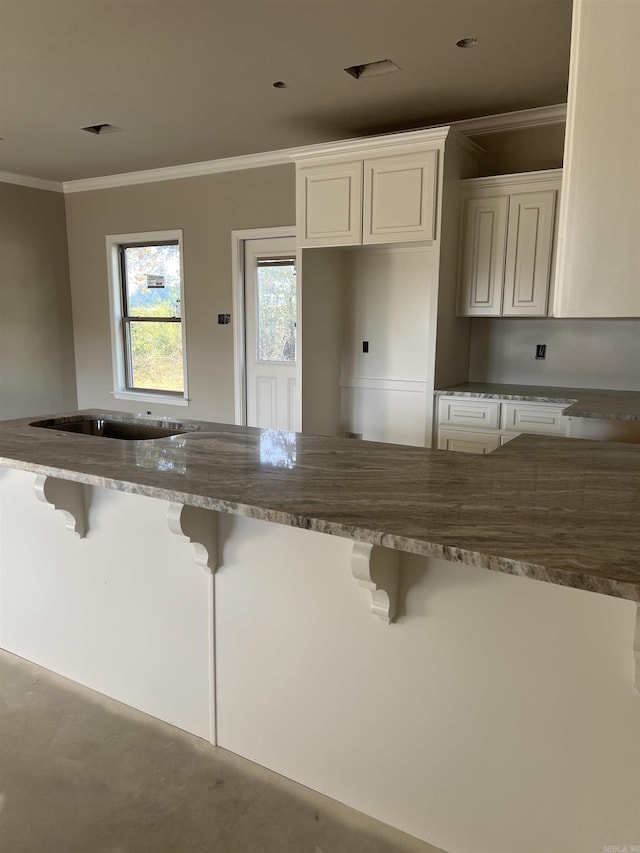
{"points": [[495, 715]]}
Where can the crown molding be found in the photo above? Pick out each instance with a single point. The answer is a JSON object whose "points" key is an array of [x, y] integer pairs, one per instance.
{"points": [[28, 181], [467, 128], [172, 173], [518, 120], [367, 143], [498, 181]]}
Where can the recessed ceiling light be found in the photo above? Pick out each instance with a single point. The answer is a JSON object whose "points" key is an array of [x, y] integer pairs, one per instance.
{"points": [[279, 85], [372, 69], [101, 128], [470, 41]]}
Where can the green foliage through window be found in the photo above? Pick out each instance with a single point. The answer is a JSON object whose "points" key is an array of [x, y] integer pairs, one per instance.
{"points": [[152, 309], [276, 310]]}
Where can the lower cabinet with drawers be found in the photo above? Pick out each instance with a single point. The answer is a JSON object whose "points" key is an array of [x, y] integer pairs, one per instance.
{"points": [[480, 425]]}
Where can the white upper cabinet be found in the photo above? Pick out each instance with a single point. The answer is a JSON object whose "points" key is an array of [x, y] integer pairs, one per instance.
{"points": [[507, 244], [599, 236], [400, 198], [370, 192]]}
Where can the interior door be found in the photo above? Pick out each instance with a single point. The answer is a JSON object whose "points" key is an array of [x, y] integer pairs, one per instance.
{"points": [[271, 299]]}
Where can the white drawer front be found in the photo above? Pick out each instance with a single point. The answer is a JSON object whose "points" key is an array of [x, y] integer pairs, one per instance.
{"points": [[533, 418], [467, 442], [472, 413]]}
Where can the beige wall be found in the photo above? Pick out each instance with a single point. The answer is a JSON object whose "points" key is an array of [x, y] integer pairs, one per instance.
{"points": [[580, 353], [525, 150], [207, 209], [36, 336]]}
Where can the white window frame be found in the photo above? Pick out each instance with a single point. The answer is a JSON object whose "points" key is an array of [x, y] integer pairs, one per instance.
{"points": [[118, 354]]}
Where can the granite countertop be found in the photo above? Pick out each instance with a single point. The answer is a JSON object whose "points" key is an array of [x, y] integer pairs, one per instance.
{"points": [[581, 402], [554, 509]]}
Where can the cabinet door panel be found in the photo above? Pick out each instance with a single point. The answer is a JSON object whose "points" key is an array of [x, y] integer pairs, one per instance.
{"points": [[400, 197], [329, 204], [467, 442], [483, 251], [469, 412], [528, 259]]}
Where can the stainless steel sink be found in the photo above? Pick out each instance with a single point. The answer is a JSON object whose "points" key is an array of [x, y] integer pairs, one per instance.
{"points": [[108, 428]]}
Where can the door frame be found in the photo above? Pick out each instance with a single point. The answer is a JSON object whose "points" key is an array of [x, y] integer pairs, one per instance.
{"points": [[238, 239]]}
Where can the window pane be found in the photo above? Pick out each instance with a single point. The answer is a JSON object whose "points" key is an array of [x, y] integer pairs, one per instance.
{"points": [[156, 356], [276, 310], [152, 281]]}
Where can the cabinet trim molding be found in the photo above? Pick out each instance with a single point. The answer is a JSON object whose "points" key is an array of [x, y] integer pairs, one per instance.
{"points": [[416, 385], [389, 144], [502, 181]]}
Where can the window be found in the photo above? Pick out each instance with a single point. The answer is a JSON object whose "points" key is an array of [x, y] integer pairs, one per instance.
{"points": [[146, 316], [276, 309]]}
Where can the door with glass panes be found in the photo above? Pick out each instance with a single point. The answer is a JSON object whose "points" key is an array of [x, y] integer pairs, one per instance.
{"points": [[270, 334]]}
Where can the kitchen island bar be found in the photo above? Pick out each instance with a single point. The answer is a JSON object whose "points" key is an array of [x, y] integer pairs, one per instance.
{"points": [[542, 507], [487, 700]]}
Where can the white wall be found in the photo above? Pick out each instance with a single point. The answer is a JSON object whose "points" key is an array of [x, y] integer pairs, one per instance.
{"points": [[580, 353], [37, 372]]}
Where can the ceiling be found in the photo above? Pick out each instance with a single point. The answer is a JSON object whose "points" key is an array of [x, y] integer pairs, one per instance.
{"points": [[191, 80]]}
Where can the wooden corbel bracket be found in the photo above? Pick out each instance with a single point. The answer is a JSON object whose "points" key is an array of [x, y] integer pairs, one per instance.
{"points": [[198, 526], [378, 570], [68, 497]]}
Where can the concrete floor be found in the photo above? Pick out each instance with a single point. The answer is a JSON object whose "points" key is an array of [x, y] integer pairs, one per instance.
{"points": [[80, 773]]}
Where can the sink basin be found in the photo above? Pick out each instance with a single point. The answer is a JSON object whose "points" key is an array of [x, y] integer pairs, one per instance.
{"points": [[107, 428]]}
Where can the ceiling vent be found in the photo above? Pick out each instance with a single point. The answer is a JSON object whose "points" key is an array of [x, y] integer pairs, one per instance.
{"points": [[372, 69], [101, 128]]}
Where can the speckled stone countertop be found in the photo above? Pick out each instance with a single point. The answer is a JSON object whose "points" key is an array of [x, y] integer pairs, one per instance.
{"points": [[559, 510], [581, 402]]}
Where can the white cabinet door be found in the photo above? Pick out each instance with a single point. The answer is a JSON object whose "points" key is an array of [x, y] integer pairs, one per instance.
{"points": [[467, 442], [329, 204], [528, 259], [400, 197], [483, 251]]}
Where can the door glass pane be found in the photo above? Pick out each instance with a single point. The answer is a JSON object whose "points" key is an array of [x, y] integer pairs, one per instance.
{"points": [[152, 280], [156, 355], [276, 296]]}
